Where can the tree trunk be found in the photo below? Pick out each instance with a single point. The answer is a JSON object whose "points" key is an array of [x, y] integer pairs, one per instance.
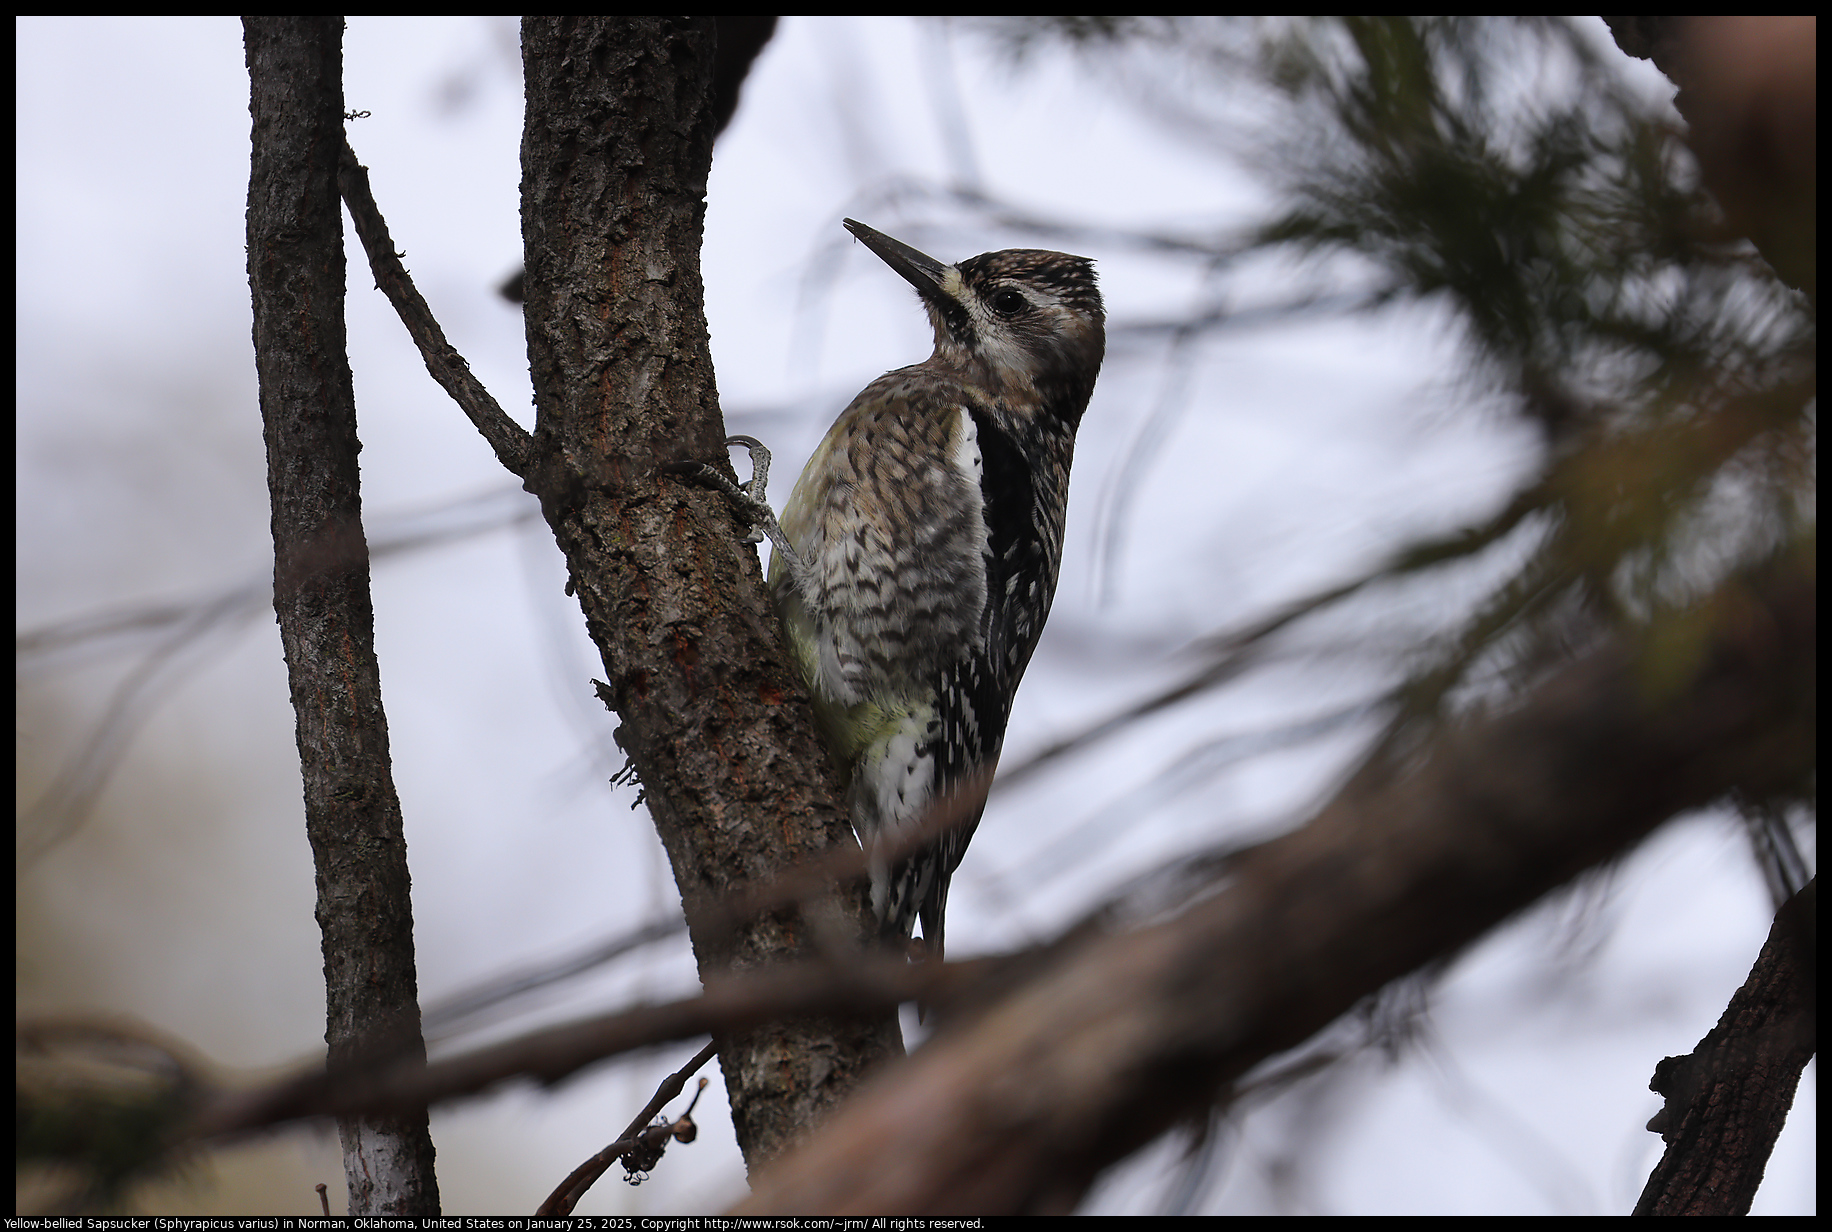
{"points": [[321, 589], [615, 154]]}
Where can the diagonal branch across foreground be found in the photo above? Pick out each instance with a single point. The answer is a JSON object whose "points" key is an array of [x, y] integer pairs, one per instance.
{"points": [[1049, 1065], [1108, 1046]]}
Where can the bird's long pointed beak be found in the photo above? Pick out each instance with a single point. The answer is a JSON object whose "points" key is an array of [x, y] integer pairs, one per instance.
{"points": [[925, 273]]}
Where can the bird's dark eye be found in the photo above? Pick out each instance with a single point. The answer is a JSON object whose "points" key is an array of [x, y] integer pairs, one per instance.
{"points": [[1009, 303]]}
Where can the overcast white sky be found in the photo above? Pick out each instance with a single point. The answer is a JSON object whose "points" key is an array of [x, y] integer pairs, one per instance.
{"points": [[1205, 490]]}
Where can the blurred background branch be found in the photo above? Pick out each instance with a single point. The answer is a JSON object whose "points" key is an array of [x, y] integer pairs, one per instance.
{"points": [[1615, 296]]}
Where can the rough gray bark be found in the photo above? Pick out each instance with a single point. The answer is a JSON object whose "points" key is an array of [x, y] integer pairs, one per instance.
{"points": [[1728, 1099], [615, 155], [321, 587]]}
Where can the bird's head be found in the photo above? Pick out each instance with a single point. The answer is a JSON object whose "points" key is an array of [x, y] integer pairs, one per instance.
{"points": [[1024, 320]]}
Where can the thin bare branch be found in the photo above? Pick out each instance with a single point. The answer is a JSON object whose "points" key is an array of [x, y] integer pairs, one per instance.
{"points": [[514, 448], [382, 1081], [566, 1196]]}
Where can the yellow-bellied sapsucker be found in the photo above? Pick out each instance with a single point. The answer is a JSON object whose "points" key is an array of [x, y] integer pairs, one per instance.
{"points": [[922, 546]]}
